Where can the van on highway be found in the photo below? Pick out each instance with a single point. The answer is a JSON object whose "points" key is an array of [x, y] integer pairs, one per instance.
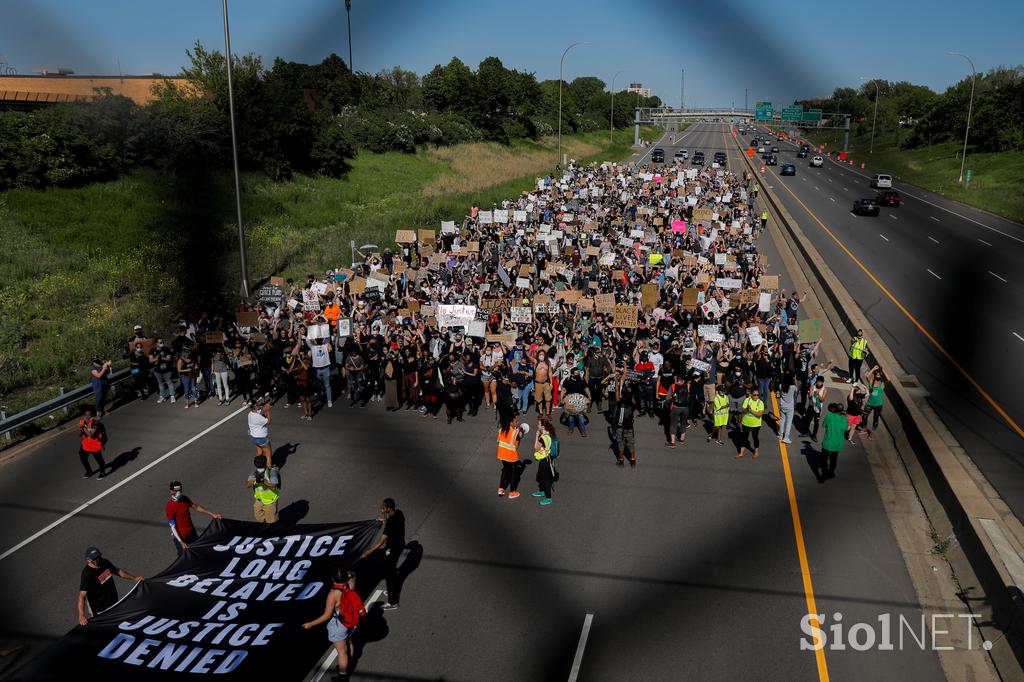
{"points": [[881, 181]]}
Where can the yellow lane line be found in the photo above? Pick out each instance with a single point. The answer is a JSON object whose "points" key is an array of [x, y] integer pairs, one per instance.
{"points": [[963, 372], [798, 532]]}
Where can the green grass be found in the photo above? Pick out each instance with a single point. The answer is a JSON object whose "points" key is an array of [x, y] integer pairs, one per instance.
{"points": [[81, 266], [996, 177]]}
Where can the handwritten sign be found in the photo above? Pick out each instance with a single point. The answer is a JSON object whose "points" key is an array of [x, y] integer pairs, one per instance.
{"points": [[521, 314], [405, 236], [626, 316]]}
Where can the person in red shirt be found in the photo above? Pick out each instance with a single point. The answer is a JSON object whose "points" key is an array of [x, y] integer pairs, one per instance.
{"points": [[179, 518], [94, 437]]}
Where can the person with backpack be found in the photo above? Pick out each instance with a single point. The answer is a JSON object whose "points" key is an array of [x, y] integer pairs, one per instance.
{"points": [[94, 438], [545, 450], [265, 483], [679, 400], [342, 613]]}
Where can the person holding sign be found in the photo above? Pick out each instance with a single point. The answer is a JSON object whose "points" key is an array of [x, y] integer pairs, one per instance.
{"points": [[342, 613], [753, 410]]}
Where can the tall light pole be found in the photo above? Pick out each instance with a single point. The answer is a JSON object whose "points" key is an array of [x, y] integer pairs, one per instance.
{"points": [[234, 153], [561, 63], [348, 14], [874, 117], [970, 105], [611, 127], [682, 89]]}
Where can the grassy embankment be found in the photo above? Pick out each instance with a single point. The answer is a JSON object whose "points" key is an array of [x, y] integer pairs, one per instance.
{"points": [[996, 177], [81, 266]]}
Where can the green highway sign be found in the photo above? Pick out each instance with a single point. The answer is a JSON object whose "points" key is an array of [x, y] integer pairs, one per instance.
{"points": [[812, 115], [969, 174], [795, 113], [764, 111]]}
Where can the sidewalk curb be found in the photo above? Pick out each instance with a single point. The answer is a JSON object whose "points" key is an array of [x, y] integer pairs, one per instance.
{"points": [[960, 497]]}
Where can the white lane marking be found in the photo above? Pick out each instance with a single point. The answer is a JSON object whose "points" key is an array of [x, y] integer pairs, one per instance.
{"points": [[934, 218], [328, 662], [934, 275], [815, 187], [831, 198], [114, 487], [845, 190], [578, 660], [933, 239], [984, 242], [941, 208], [883, 237], [830, 179], [1018, 336], [997, 277], [893, 217]]}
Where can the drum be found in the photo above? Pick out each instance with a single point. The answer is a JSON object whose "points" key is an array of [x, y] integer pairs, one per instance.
{"points": [[575, 403]]}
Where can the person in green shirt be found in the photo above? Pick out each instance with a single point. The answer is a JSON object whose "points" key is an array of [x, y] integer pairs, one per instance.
{"points": [[835, 424], [876, 398]]}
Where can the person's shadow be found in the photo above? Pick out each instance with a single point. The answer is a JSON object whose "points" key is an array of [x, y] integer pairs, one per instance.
{"points": [[282, 453], [815, 460], [293, 513], [123, 459]]}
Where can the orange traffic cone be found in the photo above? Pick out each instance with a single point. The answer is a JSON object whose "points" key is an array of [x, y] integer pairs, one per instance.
{"points": [[862, 165]]}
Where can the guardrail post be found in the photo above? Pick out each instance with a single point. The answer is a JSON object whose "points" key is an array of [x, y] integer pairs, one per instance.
{"points": [[66, 412], [7, 434]]}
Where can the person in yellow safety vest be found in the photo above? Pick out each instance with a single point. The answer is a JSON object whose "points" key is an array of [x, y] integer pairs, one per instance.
{"points": [[719, 413], [265, 483], [753, 409], [542, 453], [764, 218], [508, 452], [858, 351], [757, 188]]}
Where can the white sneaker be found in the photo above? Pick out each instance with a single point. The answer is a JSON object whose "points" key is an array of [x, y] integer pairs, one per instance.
{"points": [[161, 399], [330, 404], [173, 400], [787, 441]]}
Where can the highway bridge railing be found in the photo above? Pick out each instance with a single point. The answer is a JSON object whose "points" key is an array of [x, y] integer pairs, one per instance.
{"points": [[10, 425]]}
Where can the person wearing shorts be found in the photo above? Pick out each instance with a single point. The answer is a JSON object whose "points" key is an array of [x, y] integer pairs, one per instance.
{"points": [[259, 428], [343, 610]]}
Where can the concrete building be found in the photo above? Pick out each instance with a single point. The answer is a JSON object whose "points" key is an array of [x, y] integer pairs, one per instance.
{"points": [[29, 92], [639, 88]]}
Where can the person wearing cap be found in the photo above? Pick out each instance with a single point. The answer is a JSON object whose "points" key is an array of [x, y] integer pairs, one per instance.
{"points": [[179, 517], [97, 588]]}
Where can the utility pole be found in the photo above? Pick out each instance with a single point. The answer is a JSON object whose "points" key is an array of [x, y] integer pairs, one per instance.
{"points": [[744, 99], [682, 90], [234, 153], [560, 65], [348, 13]]}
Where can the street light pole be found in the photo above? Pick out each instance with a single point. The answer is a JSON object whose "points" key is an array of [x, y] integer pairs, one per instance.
{"points": [[234, 153], [970, 105], [561, 63], [611, 127], [874, 118], [682, 89], [348, 14]]}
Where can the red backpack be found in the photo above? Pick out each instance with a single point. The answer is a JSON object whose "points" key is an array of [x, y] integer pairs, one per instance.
{"points": [[350, 608]]}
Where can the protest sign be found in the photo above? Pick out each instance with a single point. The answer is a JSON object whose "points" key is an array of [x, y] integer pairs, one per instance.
{"points": [[508, 339], [271, 295], [449, 227], [770, 282], [519, 216], [344, 327], [690, 298], [703, 330], [213, 337], [748, 297], [728, 283], [427, 236], [679, 226], [764, 302], [455, 315], [477, 329], [277, 281], [257, 337], [485, 217], [605, 303], [247, 319], [809, 331], [405, 236], [522, 282], [754, 334], [711, 308], [358, 285], [569, 295], [701, 366], [521, 314], [626, 316], [702, 215], [649, 296], [244, 578]]}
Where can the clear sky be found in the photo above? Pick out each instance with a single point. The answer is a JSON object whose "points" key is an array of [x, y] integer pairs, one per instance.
{"points": [[777, 51]]}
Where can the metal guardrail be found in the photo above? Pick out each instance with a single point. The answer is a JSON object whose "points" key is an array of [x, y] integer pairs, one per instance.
{"points": [[62, 402]]}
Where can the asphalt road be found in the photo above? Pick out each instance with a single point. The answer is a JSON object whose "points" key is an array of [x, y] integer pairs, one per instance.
{"points": [[688, 564], [958, 271]]}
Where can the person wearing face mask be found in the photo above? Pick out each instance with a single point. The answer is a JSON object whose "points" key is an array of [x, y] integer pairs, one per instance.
{"points": [[161, 359], [542, 393], [179, 518], [265, 483]]}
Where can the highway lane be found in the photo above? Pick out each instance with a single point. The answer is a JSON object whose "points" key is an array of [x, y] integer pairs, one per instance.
{"points": [[688, 563], [970, 312]]}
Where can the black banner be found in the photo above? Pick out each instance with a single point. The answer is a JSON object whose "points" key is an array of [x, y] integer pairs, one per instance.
{"points": [[232, 607]]}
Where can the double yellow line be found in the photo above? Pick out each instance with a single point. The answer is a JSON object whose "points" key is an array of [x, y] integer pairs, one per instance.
{"points": [[794, 510]]}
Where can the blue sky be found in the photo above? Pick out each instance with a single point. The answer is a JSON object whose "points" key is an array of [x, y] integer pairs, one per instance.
{"points": [[776, 50]]}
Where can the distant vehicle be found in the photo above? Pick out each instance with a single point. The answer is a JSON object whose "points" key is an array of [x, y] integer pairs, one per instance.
{"points": [[802, 154], [658, 155], [698, 159], [772, 160], [685, 154], [805, 147], [889, 197], [881, 181], [753, 142], [817, 162], [720, 158], [761, 149], [775, 150], [865, 207], [680, 154], [788, 169]]}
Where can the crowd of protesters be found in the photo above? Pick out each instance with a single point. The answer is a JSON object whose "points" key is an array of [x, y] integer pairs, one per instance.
{"points": [[606, 285]]}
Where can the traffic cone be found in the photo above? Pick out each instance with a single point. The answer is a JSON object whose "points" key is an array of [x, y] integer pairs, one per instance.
{"points": [[862, 165], [851, 162]]}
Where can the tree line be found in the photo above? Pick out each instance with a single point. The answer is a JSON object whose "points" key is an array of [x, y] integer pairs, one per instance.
{"points": [[294, 118], [997, 119]]}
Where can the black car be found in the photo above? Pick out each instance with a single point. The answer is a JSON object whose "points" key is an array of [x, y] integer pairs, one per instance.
{"points": [[788, 169], [865, 207], [720, 158], [698, 159], [802, 154], [753, 143], [772, 160], [775, 150], [888, 197], [658, 155], [805, 147]]}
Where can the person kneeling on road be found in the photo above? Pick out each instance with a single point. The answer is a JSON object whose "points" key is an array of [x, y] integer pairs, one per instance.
{"points": [[265, 483]]}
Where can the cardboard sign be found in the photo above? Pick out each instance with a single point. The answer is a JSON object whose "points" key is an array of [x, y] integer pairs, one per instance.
{"points": [[703, 330], [626, 316], [477, 329], [448, 227], [649, 296], [357, 286], [748, 296], [247, 319], [380, 276], [522, 282], [690, 298], [809, 331], [258, 338], [277, 281], [770, 282], [702, 215], [569, 296], [213, 338], [521, 314], [605, 303], [728, 283], [764, 302], [509, 339], [427, 236], [405, 236]]}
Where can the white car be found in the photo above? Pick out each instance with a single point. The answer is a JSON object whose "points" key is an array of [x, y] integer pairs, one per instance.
{"points": [[881, 181], [760, 150], [685, 154], [817, 162]]}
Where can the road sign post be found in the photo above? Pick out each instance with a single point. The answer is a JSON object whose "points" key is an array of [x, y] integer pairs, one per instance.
{"points": [[764, 111], [794, 113]]}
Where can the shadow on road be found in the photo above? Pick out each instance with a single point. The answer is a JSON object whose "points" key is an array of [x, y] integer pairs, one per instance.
{"points": [[123, 459]]}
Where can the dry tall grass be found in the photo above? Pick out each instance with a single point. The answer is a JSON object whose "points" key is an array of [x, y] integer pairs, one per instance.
{"points": [[485, 164]]}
